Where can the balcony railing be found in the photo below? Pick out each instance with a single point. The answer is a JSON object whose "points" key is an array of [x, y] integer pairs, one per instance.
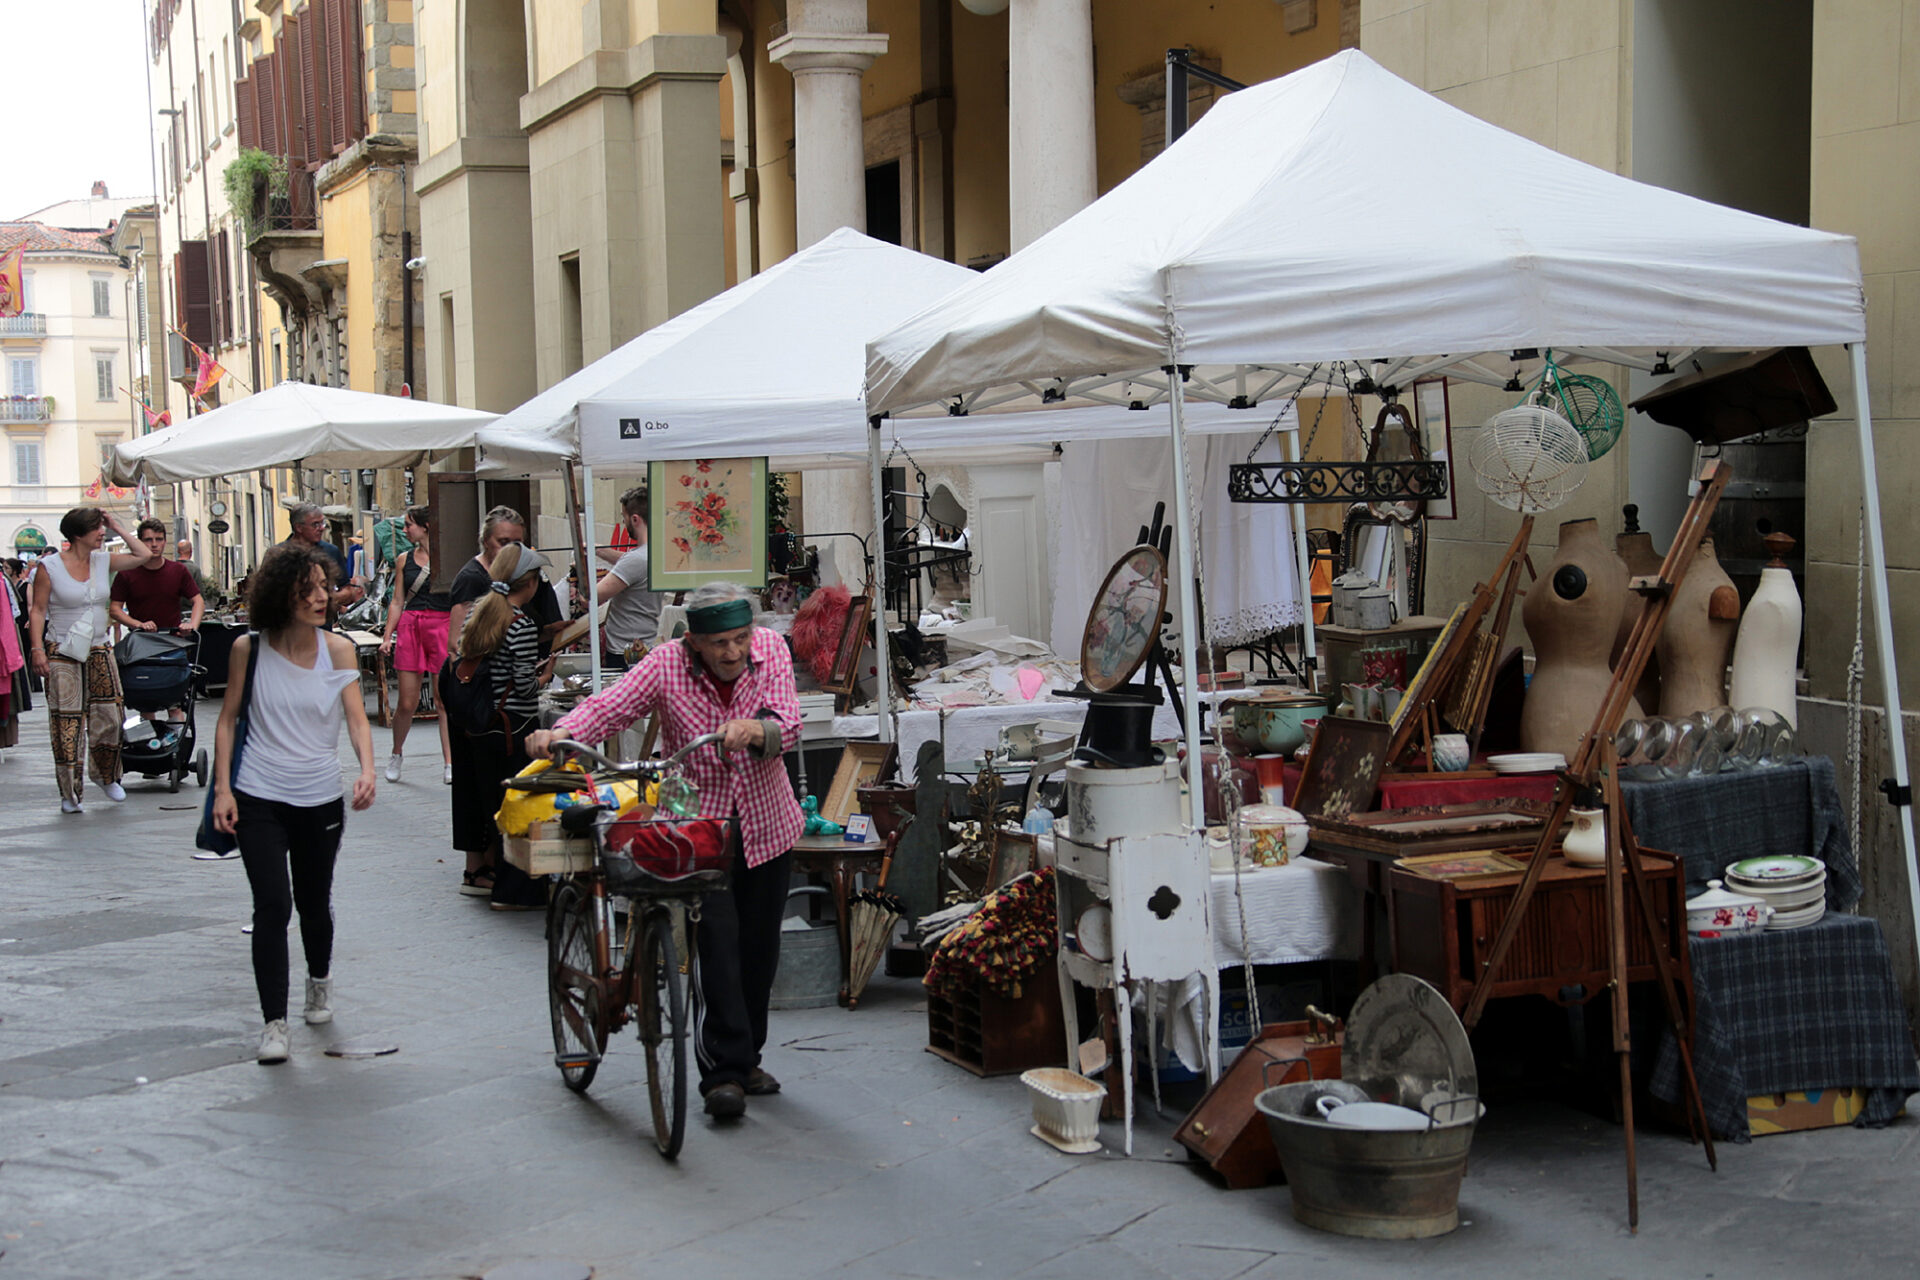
{"points": [[294, 211], [30, 325], [26, 408]]}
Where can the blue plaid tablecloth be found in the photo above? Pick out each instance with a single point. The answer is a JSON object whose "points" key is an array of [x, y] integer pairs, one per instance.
{"points": [[1710, 822], [1783, 1010]]}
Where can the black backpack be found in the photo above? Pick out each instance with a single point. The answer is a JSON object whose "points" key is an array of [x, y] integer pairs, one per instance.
{"points": [[466, 697]]}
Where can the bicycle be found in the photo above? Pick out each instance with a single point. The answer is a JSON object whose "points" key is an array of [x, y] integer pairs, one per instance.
{"points": [[600, 977]]}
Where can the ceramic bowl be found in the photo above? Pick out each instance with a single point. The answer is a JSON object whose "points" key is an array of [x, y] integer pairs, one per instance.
{"points": [[1717, 909], [1275, 724], [1451, 753]]}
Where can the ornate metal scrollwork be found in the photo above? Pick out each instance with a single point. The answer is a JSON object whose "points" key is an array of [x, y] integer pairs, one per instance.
{"points": [[1335, 481]]}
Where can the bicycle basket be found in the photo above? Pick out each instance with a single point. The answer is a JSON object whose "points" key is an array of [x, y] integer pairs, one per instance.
{"points": [[649, 854]]}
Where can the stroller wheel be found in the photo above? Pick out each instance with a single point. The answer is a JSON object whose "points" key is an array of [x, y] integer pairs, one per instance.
{"points": [[200, 766], [173, 779]]}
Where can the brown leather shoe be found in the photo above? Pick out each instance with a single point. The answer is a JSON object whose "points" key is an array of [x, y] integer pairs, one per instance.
{"points": [[760, 1083], [726, 1102]]}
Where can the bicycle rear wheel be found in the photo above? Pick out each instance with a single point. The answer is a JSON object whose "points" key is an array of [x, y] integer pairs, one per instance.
{"points": [[573, 989], [662, 997]]}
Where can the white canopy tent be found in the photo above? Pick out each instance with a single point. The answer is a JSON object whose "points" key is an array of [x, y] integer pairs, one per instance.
{"points": [[1265, 243], [297, 423]]}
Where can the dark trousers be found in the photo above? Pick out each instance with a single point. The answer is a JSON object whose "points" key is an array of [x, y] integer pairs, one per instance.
{"points": [[288, 852], [737, 952]]}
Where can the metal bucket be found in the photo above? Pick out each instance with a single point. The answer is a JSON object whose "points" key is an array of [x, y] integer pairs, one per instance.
{"points": [[809, 972], [1381, 1184]]}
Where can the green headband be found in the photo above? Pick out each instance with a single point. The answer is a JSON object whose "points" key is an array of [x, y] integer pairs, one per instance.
{"points": [[726, 615]]}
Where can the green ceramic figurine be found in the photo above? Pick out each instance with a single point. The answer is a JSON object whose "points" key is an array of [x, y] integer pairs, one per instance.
{"points": [[817, 825]]}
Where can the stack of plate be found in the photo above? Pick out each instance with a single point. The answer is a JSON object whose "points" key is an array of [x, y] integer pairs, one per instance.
{"points": [[1528, 762], [1794, 886]]}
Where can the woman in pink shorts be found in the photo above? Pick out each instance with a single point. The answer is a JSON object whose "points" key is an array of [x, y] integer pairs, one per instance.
{"points": [[416, 639]]}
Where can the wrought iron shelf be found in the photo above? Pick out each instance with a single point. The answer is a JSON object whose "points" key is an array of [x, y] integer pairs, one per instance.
{"points": [[1336, 481]]}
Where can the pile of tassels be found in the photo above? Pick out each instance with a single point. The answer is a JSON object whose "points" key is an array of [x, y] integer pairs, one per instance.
{"points": [[1001, 945]]}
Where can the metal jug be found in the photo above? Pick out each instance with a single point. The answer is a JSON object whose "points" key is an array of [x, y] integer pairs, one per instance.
{"points": [[1374, 610], [1346, 588]]}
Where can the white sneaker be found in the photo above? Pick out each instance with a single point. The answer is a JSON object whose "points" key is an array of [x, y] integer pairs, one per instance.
{"points": [[69, 806], [319, 1001], [115, 792], [446, 774], [393, 767], [273, 1042]]}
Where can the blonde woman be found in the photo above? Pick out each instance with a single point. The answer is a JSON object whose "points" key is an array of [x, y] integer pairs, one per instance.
{"points": [[68, 615], [499, 627]]}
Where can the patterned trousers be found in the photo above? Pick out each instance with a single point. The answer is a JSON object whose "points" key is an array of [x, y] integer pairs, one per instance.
{"points": [[85, 715]]}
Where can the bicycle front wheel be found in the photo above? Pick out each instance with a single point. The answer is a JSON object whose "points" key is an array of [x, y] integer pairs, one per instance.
{"points": [[573, 988], [662, 996]]}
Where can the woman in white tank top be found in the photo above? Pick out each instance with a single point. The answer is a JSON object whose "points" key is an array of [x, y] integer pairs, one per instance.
{"points": [[69, 608], [285, 802]]}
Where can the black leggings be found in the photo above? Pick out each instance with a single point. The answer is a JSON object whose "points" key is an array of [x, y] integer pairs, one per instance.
{"points": [[275, 838]]}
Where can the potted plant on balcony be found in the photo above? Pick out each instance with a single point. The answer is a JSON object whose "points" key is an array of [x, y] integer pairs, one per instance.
{"points": [[257, 189]]}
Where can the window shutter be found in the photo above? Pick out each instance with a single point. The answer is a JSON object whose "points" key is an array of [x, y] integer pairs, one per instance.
{"points": [[318, 84], [243, 108], [293, 43], [195, 293], [347, 96], [267, 103]]}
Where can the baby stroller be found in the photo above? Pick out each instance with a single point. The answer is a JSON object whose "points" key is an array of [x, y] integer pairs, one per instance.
{"points": [[158, 672]]}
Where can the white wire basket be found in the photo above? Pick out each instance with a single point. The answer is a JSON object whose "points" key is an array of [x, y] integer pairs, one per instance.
{"points": [[1528, 458]]}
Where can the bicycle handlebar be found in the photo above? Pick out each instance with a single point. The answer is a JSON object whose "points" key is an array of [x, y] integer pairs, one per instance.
{"points": [[567, 746]]}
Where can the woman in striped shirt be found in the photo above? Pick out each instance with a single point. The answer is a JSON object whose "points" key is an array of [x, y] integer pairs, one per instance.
{"points": [[499, 628]]}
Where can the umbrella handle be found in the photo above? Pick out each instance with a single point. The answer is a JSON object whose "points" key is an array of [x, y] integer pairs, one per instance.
{"points": [[886, 863]]}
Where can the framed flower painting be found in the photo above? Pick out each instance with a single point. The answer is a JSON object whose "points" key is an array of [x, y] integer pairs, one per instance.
{"points": [[707, 522]]}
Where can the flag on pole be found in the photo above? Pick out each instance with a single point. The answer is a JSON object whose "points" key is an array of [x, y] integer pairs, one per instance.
{"points": [[13, 286], [155, 421], [209, 376]]}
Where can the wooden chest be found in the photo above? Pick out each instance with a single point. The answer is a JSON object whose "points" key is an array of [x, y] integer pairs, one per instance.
{"points": [[1226, 1130]]}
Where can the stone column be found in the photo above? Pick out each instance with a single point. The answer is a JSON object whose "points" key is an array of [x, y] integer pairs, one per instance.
{"points": [[1051, 173], [827, 48]]}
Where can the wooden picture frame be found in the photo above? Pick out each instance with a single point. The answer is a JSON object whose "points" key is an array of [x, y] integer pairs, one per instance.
{"points": [[860, 764], [1341, 776], [845, 675], [1433, 416], [1419, 691], [1468, 864], [706, 522]]}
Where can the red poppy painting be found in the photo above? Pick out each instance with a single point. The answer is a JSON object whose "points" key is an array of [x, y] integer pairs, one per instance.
{"points": [[711, 525]]}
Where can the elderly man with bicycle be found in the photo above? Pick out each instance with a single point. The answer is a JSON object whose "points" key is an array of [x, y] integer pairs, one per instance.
{"points": [[729, 677]]}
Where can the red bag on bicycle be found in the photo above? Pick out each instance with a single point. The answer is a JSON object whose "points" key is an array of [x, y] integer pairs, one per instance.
{"points": [[669, 848]]}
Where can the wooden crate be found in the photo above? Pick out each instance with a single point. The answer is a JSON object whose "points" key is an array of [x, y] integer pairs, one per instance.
{"points": [[990, 1035], [546, 851]]}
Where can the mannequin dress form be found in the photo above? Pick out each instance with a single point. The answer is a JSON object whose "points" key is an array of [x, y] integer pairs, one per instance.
{"points": [[1698, 636], [1572, 613], [1636, 548], [1766, 651]]}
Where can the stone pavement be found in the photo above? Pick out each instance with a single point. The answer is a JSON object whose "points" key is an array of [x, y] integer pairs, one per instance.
{"points": [[139, 1139]]}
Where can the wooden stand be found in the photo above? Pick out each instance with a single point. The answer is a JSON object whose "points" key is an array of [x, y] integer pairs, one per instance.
{"points": [[1593, 765]]}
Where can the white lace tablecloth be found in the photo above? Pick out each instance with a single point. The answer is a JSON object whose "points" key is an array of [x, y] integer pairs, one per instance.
{"points": [[1306, 910]]}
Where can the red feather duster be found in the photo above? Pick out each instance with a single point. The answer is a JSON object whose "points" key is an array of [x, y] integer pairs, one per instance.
{"points": [[817, 628]]}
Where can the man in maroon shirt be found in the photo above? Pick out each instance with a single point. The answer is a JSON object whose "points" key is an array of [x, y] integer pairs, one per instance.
{"points": [[148, 598]]}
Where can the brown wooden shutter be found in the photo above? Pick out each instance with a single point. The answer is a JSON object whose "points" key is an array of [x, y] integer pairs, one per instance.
{"points": [[216, 296], [196, 309], [245, 114], [318, 82], [266, 100], [347, 86], [293, 44]]}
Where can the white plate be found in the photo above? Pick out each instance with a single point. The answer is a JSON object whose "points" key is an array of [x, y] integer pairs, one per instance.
{"points": [[1798, 919], [1528, 762], [1094, 928], [1786, 900]]}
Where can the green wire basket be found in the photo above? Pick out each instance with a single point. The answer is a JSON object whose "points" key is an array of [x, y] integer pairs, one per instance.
{"points": [[1590, 404]]}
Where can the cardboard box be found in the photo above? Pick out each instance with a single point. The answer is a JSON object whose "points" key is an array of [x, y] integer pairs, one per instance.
{"points": [[1804, 1109]]}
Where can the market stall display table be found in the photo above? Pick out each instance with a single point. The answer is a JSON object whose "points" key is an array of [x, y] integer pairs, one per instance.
{"points": [[837, 861], [1780, 1010]]}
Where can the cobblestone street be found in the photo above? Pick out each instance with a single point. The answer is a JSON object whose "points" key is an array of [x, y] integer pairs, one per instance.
{"points": [[140, 1139]]}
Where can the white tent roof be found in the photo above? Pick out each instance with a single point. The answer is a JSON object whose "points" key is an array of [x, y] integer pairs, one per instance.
{"points": [[297, 422], [1340, 213]]}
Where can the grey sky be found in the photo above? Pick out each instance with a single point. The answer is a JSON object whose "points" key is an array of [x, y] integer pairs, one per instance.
{"points": [[77, 87]]}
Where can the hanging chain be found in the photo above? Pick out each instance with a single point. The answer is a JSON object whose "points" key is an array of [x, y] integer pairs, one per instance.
{"points": [[1291, 401], [1856, 689]]}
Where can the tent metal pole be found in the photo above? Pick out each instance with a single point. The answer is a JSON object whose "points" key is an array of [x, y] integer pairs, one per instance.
{"points": [[1189, 615], [591, 589], [876, 474], [1303, 569], [1902, 781]]}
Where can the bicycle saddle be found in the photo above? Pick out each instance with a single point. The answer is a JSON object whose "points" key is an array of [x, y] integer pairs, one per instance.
{"points": [[578, 820]]}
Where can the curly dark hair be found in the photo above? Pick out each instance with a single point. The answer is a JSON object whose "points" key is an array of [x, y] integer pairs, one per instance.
{"points": [[275, 586]]}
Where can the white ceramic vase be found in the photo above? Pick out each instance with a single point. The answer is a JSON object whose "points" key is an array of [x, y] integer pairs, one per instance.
{"points": [[1764, 653], [1586, 841]]}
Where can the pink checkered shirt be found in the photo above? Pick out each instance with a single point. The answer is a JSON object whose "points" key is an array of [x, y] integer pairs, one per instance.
{"points": [[672, 677]]}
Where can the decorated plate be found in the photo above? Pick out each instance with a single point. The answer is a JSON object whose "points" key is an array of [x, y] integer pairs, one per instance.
{"points": [[1776, 870], [1095, 931]]}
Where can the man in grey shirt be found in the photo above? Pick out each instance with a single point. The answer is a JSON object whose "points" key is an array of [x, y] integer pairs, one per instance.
{"points": [[633, 612]]}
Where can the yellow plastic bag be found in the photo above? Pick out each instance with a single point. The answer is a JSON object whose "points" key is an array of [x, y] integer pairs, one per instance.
{"points": [[521, 809]]}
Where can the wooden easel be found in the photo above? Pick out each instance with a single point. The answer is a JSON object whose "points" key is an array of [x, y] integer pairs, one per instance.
{"points": [[1422, 718], [1595, 772]]}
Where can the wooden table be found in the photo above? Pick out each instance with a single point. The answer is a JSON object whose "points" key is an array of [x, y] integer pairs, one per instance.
{"points": [[838, 862]]}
